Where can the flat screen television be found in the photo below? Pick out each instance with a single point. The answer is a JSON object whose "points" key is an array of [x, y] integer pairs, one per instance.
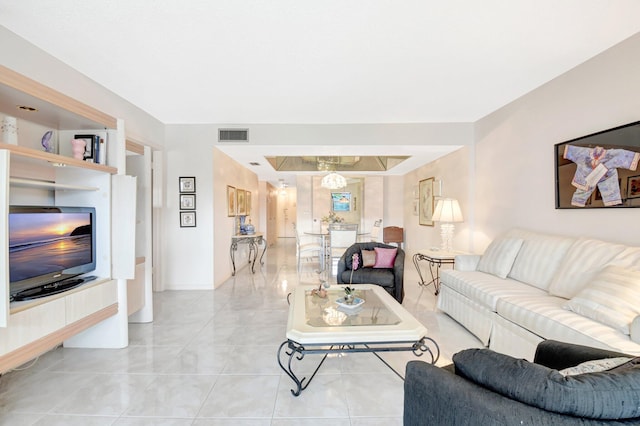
{"points": [[48, 245]]}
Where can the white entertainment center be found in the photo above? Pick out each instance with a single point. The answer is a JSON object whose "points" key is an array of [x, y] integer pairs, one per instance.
{"points": [[95, 314]]}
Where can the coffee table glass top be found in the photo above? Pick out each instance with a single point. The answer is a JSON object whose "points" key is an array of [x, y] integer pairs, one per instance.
{"points": [[314, 320], [326, 312]]}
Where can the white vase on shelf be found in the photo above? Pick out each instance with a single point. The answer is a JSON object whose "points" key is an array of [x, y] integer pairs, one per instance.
{"points": [[9, 130]]}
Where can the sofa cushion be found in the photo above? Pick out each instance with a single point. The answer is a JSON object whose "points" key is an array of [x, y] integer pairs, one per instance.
{"points": [[545, 317], [499, 256], [606, 395], [539, 259], [385, 257], [381, 277], [612, 298], [485, 289], [368, 258], [583, 261], [595, 366]]}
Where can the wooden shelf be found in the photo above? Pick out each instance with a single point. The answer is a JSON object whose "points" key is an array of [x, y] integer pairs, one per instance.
{"points": [[33, 183], [57, 160]]}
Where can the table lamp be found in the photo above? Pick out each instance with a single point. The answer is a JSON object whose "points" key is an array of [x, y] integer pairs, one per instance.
{"points": [[447, 212]]}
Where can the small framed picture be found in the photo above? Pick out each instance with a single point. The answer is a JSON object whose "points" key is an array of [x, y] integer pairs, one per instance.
{"points": [[242, 205], [187, 219], [633, 186], [187, 184], [231, 200], [88, 148], [187, 201]]}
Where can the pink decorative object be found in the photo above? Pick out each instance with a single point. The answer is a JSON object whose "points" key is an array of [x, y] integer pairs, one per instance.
{"points": [[79, 146], [385, 257]]}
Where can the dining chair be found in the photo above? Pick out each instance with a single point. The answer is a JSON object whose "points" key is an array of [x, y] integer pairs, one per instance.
{"points": [[341, 237], [375, 231], [307, 247]]}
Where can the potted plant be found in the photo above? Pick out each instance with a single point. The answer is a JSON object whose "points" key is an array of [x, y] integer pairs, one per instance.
{"points": [[349, 295]]}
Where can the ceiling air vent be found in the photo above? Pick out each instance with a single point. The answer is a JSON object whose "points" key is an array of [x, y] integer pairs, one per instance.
{"points": [[233, 135]]}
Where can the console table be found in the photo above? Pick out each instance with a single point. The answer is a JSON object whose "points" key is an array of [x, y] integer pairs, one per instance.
{"points": [[435, 260], [254, 241]]}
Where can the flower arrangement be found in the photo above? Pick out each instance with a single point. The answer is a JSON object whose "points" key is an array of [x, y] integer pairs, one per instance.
{"points": [[332, 218]]}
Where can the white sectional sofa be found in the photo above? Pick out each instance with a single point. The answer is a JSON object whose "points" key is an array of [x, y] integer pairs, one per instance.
{"points": [[528, 287]]}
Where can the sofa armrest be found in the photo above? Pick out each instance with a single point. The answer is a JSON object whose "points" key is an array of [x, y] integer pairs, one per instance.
{"points": [[561, 355], [467, 262], [433, 395]]}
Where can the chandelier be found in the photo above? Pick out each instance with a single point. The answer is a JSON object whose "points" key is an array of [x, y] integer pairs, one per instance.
{"points": [[333, 181]]}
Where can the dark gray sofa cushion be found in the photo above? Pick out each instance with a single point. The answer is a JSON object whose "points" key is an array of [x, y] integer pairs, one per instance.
{"points": [[606, 395], [382, 277]]}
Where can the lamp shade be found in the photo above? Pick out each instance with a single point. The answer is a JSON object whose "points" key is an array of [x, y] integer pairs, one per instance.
{"points": [[333, 181], [447, 210]]}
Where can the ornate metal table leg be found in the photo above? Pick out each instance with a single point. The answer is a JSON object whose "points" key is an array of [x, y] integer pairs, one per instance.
{"points": [[232, 250], [263, 241], [435, 278], [416, 259], [422, 346], [296, 351]]}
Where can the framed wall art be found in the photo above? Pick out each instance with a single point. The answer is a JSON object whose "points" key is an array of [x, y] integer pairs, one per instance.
{"points": [[633, 187], [231, 200], [242, 202], [187, 184], [599, 170], [187, 219], [425, 202], [187, 201]]}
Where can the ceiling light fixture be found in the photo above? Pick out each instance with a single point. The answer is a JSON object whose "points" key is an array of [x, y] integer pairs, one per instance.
{"points": [[333, 181]]}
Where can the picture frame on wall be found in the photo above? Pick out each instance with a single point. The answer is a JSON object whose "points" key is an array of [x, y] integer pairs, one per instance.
{"points": [[187, 219], [341, 201], [633, 187], [187, 184], [247, 196], [242, 202], [425, 202], [231, 201], [187, 201]]}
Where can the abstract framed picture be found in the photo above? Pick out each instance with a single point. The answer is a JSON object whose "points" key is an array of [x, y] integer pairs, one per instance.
{"points": [[187, 184], [187, 219], [231, 200], [187, 201], [242, 202], [425, 202]]}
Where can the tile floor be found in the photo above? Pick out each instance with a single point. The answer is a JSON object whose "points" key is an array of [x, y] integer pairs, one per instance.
{"points": [[209, 358]]}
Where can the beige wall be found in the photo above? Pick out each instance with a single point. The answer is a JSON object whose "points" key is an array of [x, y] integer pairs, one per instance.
{"points": [[506, 179]]}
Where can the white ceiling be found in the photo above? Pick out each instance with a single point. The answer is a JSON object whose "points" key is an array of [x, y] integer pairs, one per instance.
{"points": [[329, 61]]}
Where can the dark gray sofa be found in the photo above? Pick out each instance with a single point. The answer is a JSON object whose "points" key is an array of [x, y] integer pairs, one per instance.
{"points": [[392, 280], [449, 396]]}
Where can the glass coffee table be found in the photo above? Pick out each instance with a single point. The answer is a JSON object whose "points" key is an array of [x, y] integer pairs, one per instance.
{"points": [[319, 325]]}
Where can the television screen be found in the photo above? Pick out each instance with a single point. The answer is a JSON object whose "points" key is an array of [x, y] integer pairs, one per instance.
{"points": [[49, 244]]}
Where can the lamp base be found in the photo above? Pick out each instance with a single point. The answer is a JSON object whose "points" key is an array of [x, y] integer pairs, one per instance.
{"points": [[446, 232]]}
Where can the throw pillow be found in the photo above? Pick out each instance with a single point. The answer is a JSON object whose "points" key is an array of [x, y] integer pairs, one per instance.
{"points": [[595, 366], [499, 256], [612, 298], [606, 395], [385, 257], [368, 258]]}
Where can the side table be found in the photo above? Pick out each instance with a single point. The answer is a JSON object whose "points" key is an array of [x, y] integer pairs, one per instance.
{"points": [[435, 260]]}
